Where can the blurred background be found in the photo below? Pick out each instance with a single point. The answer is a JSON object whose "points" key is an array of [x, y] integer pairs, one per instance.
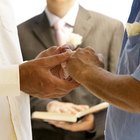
{"points": [[119, 9]]}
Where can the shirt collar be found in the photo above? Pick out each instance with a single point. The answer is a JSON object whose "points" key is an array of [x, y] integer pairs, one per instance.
{"points": [[69, 18]]}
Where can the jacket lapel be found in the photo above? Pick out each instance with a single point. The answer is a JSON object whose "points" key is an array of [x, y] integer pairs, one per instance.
{"points": [[83, 22], [43, 31]]}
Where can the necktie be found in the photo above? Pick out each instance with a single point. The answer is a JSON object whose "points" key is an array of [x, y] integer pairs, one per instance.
{"points": [[61, 32], [61, 36]]}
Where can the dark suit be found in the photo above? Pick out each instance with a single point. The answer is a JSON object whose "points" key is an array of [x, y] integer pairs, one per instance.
{"points": [[100, 32]]}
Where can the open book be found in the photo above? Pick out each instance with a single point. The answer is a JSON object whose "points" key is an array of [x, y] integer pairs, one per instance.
{"points": [[68, 117]]}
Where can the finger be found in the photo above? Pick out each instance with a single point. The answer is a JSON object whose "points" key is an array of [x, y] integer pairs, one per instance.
{"points": [[101, 58], [80, 126], [52, 122], [80, 107], [51, 50], [60, 50], [48, 52], [68, 126], [60, 124], [57, 109], [65, 110], [74, 109], [56, 123], [71, 110], [54, 60]]}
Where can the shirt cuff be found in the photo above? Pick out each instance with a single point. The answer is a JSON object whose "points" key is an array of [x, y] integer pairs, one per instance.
{"points": [[9, 80], [136, 74]]}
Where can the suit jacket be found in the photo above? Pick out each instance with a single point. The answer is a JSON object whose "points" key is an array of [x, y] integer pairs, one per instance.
{"points": [[100, 32], [14, 124]]}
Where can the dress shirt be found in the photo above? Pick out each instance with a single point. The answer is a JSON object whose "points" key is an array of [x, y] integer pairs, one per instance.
{"points": [[14, 105], [123, 125], [134, 11], [69, 18]]}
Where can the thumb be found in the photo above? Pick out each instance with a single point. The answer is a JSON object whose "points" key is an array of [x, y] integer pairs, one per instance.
{"points": [[101, 58]]}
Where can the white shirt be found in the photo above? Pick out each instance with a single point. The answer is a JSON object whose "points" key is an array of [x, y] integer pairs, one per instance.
{"points": [[69, 18], [14, 105]]}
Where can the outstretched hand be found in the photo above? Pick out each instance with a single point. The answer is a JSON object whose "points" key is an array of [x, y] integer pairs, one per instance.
{"points": [[81, 61], [41, 77]]}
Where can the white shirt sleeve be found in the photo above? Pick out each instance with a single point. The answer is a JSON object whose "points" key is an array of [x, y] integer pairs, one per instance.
{"points": [[9, 80]]}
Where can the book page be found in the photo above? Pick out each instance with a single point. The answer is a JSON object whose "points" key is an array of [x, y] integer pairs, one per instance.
{"points": [[93, 109], [54, 116], [68, 117]]}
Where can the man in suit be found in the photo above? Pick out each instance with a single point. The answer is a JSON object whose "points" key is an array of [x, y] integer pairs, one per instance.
{"points": [[102, 33], [121, 90]]}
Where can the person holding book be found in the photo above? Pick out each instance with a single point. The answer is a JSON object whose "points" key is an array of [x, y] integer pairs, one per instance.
{"points": [[121, 90], [39, 33]]}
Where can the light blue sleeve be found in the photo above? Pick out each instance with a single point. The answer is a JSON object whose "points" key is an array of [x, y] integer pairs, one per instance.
{"points": [[136, 73]]}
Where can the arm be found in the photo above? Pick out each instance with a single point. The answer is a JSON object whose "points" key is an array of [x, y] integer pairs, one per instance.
{"points": [[115, 89]]}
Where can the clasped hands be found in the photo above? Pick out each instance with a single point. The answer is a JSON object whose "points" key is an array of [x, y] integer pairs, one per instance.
{"points": [[43, 76]]}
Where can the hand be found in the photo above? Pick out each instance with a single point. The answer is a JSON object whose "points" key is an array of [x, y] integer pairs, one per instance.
{"points": [[52, 51], [81, 60], [57, 70], [85, 124], [37, 78], [62, 107]]}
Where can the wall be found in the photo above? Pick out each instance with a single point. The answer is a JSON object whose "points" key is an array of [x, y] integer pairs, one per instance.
{"points": [[25, 9]]}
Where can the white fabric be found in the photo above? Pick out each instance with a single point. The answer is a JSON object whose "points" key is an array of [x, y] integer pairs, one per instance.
{"points": [[9, 80], [69, 18], [14, 106]]}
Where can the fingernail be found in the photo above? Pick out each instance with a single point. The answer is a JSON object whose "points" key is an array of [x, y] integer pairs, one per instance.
{"points": [[66, 46]]}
